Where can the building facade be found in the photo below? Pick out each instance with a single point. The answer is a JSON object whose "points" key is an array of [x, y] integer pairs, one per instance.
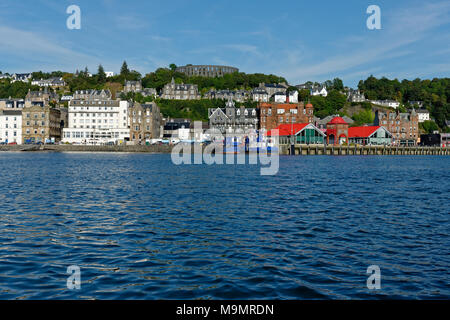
{"points": [[11, 126], [210, 71], [274, 114], [298, 133], [337, 131], [145, 122], [404, 127], [52, 82], [387, 103], [238, 95], [12, 104], [260, 95], [369, 135], [41, 124], [41, 98], [132, 86], [92, 95], [424, 115], [233, 120], [97, 122], [174, 91]]}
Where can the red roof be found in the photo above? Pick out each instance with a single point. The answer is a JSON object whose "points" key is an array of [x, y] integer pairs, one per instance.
{"points": [[287, 129], [337, 120], [362, 132]]}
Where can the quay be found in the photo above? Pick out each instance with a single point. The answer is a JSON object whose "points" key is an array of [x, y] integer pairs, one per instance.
{"points": [[357, 150], [285, 149]]}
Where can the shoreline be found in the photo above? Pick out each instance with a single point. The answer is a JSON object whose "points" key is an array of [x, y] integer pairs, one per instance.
{"points": [[303, 150]]}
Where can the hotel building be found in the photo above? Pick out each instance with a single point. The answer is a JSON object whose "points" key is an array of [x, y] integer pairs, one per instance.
{"points": [[97, 120]]}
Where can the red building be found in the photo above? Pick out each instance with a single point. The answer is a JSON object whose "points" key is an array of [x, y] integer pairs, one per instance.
{"points": [[337, 131], [274, 114]]}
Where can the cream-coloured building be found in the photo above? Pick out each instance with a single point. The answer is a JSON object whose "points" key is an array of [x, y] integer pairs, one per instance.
{"points": [[97, 121]]}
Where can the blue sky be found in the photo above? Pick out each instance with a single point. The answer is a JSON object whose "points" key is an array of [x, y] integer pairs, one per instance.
{"points": [[300, 40]]}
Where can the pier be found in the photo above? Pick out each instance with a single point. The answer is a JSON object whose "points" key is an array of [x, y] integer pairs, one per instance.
{"points": [[356, 150]]}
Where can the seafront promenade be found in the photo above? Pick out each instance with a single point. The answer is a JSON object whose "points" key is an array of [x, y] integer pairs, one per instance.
{"points": [[304, 150], [342, 150]]}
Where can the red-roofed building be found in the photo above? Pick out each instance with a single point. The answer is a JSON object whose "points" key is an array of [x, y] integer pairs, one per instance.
{"points": [[369, 135], [304, 133], [337, 131]]}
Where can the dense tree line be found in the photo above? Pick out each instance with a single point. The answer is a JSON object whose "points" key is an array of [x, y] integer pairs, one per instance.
{"points": [[17, 89], [434, 93], [232, 81]]}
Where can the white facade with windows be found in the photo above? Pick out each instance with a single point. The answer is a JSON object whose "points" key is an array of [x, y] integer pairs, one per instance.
{"points": [[97, 122], [11, 126], [424, 115]]}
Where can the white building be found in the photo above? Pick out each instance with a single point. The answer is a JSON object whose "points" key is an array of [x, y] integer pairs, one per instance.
{"points": [[387, 103], [424, 115], [109, 74], [322, 91], [97, 122], [281, 97], [52, 82], [24, 77], [11, 126], [260, 95]]}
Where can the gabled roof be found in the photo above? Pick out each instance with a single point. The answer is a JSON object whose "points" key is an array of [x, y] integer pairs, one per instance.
{"points": [[363, 132], [220, 109], [292, 129]]}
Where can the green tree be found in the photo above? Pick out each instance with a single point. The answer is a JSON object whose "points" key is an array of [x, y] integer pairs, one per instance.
{"points": [[101, 75], [124, 71], [173, 66]]}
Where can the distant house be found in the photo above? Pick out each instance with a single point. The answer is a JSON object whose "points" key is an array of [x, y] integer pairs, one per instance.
{"points": [[238, 95], [109, 74], [24, 77], [132, 86], [260, 95], [387, 103], [54, 82], [148, 92], [92, 95], [355, 96], [272, 88], [66, 98], [416, 104], [289, 97], [175, 91], [424, 115], [319, 91]]}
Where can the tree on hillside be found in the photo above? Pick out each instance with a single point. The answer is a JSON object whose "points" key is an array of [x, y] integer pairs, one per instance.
{"points": [[173, 66], [124, 70], [101, 74]]}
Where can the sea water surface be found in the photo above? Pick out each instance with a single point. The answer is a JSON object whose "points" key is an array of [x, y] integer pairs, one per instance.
{"points": [[140, 227]]}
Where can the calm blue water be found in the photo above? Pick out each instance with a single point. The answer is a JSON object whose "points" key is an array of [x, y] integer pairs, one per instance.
{"points": [[142, 228]]}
